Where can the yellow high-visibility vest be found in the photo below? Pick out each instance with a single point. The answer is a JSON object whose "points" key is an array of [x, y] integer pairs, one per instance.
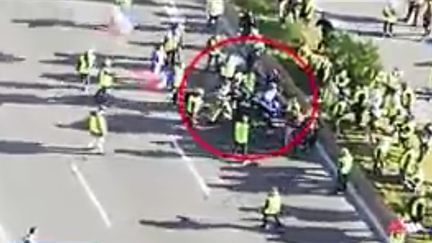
{"points": [[274, 205], [105, 78], [97, 125], [241, 132]]}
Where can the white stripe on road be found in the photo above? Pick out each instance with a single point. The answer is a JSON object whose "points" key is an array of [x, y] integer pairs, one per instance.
{"points": [[189, 163], [3, 235], [91, 195]]}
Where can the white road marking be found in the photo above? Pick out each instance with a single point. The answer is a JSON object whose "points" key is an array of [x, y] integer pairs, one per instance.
{"points": [[189, 163], [3, 235], [91, 195]]}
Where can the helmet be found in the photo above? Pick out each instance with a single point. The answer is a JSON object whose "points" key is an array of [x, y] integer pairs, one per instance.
{"points": [[344, 151], [107, 62], [200, 91]]}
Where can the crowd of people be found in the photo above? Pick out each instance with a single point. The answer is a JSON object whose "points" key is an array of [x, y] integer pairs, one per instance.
{"points": [[251, 99]]}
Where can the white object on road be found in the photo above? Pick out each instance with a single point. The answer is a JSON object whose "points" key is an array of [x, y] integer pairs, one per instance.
{"points": [[91, 195], [120, 23], [3, 235], [189, 163]]}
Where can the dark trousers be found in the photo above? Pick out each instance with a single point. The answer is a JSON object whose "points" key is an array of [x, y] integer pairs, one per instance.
{"points": [[85, 80], [413, 9], [341, 182], [240, 148], [212, 20], [388, 27], [265, 219], [171, 57], [213, 59], [427, 26]]}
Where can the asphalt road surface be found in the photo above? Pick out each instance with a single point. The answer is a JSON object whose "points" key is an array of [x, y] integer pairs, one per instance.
{"points": [[154, 184]]}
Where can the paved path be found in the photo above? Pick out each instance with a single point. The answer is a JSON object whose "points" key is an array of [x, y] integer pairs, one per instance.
{"points": [[149, 187]]}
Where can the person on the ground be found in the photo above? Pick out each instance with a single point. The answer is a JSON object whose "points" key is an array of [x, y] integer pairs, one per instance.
{"points": [[223, 105], [85, 65], [98, 129], [105, 76], [31, 236], [215, 9], [389, 18], [272, 208], [215, 55], [194, 102], [344, 170], [241, 135]]}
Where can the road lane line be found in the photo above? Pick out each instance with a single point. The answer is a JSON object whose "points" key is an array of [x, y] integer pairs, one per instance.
{"points": [[3, 235], [189, 163], [91, 195]]}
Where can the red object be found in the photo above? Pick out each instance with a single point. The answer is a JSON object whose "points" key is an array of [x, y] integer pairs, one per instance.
{"points": [[251, 157], [396, 226], [147, 80]]}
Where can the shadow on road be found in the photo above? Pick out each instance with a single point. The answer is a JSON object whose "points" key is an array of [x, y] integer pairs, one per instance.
{"points": [[289, 233], [40, 23], [119, 61], [22, 147], [133, 124], [10, 58], [353, 18], [36, 86]]}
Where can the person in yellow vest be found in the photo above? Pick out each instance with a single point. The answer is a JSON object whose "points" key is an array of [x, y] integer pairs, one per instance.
{"points": [[124, 4], [345, 166], [307, 10], [98, 129], [241, 135], [228, 70], [396, 230], [407, 131], [178, 76], [408, 97], [380, 155], [194, 103], [272, 208], [249, 83], [85, 64], [105, 76], [172, 43], [417, 207], [215, 55], [215, 9], [389, 18], [408, 161]]}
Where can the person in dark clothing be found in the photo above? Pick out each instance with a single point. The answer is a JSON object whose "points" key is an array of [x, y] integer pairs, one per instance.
{"points": [[427, 15], [325, 25], [413, 8]]}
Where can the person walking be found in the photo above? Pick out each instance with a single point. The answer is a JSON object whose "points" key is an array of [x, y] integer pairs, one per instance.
{"points": [[98, 129], [30, 237], [85, 64], [344, 170], [272, 208], [241, 135], [389, 18]]}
